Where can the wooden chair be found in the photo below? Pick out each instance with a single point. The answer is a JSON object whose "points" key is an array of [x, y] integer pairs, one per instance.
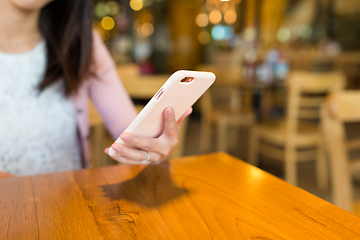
{"points": [[224, 117], [340, 108], [224, 105], [297, 139]]}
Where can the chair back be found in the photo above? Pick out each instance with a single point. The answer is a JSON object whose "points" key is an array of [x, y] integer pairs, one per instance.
{"points": [[224, 93], [316, 82], [340, 108], [345, 105], [306, 92], [225, 74]]}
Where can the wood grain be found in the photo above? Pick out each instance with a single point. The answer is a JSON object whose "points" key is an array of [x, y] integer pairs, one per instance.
{"points": [[62, 211], [211, 196]]}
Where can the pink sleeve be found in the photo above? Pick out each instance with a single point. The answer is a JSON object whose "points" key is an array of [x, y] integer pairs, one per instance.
{"points": [[107, 91]]}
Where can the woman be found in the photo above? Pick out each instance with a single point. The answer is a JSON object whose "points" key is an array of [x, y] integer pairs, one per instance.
{"points": [[51, 62]]}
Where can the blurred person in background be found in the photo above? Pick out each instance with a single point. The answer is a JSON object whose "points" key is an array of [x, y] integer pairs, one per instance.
{"points": [[51, 63]]}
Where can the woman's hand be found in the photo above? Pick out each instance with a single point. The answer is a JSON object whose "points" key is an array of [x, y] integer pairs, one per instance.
{"points": [[138, 148]]}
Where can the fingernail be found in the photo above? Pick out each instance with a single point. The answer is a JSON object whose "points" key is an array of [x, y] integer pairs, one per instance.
{"points": [[189, 111], [125, 137], [169, 111], [116, 147]]}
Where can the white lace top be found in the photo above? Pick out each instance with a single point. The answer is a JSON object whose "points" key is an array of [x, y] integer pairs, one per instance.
{"points": [[37, 130]]}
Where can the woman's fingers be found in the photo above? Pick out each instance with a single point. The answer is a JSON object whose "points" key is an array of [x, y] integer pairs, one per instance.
{"points": [[170, 125], [161, 145], [145, 143], [158, 146], [134, 148], [129, 155]]}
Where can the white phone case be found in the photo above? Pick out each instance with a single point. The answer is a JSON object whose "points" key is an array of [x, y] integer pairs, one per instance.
{"points": [[180, 91]]}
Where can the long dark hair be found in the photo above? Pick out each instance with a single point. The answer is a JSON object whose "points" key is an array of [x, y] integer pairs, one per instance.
{"points": [[67, 28]]}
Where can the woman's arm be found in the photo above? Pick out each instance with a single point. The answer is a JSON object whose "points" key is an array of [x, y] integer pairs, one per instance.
{"points": [[108, 93]]}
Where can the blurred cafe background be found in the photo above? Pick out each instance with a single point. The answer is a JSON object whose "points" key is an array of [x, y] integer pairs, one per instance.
{"points": [[277, 62]]}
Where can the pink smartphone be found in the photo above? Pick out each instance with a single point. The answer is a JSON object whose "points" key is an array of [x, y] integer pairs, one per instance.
{"points": [[180, 91]]}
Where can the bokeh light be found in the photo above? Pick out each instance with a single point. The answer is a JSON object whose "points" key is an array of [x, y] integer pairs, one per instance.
{"points": [[229, 32], [230, 16], [202, 20], [218, 32], [136, 5], [144, 29], [225, 6], [148, 3], [146, 16], [209, 6], [100, 10], [283, 35], [204, 37], [107, 23], [112, 8], [250, 34], [215, 16], [147, 29]]}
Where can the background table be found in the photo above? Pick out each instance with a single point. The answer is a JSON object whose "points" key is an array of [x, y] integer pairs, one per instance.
{"points": [[211, 196], [140, 86]]}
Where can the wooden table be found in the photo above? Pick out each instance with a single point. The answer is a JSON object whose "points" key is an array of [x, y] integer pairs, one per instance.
{"points": [[213, 196]]}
